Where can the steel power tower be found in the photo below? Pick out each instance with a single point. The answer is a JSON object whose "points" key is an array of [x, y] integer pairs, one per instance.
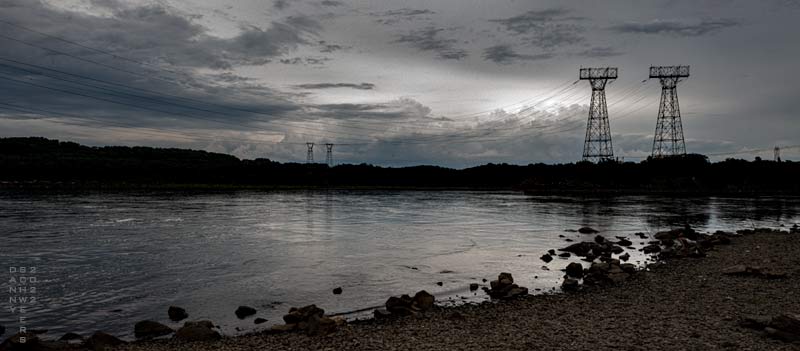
{"points": [[329, 154], [668, 139], [597, 145], [310, 154], [776, 154]]}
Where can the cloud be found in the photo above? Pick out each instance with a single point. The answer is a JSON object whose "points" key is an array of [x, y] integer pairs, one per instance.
{"points": [[401, 15], [547, 28], [331, 3], [428, 39], [399, 109], [505, 54], [676, 28], [310, 61], [599, 51], [329, 48], [362, 86]]}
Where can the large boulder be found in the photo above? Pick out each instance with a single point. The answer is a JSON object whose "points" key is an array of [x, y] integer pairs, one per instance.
{"points": [[575, 270], [423, 300], [546, 258], [177, 314], [243, 312], [587, 230], [150, 329], [400, 306], [196, 333]]}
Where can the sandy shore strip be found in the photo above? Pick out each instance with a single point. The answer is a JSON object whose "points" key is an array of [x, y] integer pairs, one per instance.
{"points": [[683, 304]]}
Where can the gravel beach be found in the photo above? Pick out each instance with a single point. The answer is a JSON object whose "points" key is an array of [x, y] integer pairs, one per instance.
{"points": [[682, 304]]}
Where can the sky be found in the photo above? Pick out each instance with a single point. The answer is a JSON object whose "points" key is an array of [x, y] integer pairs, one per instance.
{"points": [[455, 83]]}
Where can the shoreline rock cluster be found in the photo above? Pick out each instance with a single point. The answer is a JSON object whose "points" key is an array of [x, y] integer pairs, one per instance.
{"points": [[310, 319], [406, 305], [504, 288]]}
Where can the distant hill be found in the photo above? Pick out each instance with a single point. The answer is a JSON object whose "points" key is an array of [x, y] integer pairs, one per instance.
{"points": [[39, 162]]}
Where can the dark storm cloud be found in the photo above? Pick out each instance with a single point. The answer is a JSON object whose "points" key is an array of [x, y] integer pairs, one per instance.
{"points": [[599, 51], [175, 95], [362, 86], [549, 28], [400, 15], [505, 54], [676, 28], [429, 39]]}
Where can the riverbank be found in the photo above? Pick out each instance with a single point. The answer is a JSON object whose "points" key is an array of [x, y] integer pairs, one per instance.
{"points": [[681, 304]]}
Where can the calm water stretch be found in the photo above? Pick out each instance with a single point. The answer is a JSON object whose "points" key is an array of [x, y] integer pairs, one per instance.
{"points": [[106, 261]]}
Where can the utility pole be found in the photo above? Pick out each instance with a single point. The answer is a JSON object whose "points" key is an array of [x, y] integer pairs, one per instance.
{"points": [[329, 154], [597, 144], [310, 154], [777, 154], [668, 139]]}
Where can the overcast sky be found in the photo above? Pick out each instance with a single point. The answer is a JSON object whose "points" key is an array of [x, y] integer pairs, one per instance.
{"points": [[449, 82]]}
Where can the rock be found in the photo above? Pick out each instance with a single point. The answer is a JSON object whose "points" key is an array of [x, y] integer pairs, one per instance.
{"points": [[506, 276], [599, 239], [196, 333], [177, 314], [546, 258], [150, 329], [738, 269], [652, 248], [439, 283], [581, 248], [617, 250], [624, 242], [625, 257], [599, 267], [400, 306], [587, 230], [337, 291], [629, 268], [575, 270], [473, 286], [320, 325], [381, 313], [303, 314], [2, 330], [570, 284], [516, 291], [203, 323], [423, 300], [103, 341], [259, 320], [551, 252], [564, 255], [243, 312]]}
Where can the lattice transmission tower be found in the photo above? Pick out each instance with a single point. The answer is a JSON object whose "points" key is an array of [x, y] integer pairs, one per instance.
{"points": [[310, 154], [597, 144], [329, 154], [668, 139], [776, 154]]}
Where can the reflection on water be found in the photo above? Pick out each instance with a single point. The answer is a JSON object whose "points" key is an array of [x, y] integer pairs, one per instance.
{"points": [[108, 260]]}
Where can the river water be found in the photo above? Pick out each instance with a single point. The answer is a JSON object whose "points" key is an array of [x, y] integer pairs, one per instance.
{"points": [[107, 260]]}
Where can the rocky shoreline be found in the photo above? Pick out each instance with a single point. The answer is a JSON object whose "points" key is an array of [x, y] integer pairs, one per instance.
{"points": [[713, 291]]}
